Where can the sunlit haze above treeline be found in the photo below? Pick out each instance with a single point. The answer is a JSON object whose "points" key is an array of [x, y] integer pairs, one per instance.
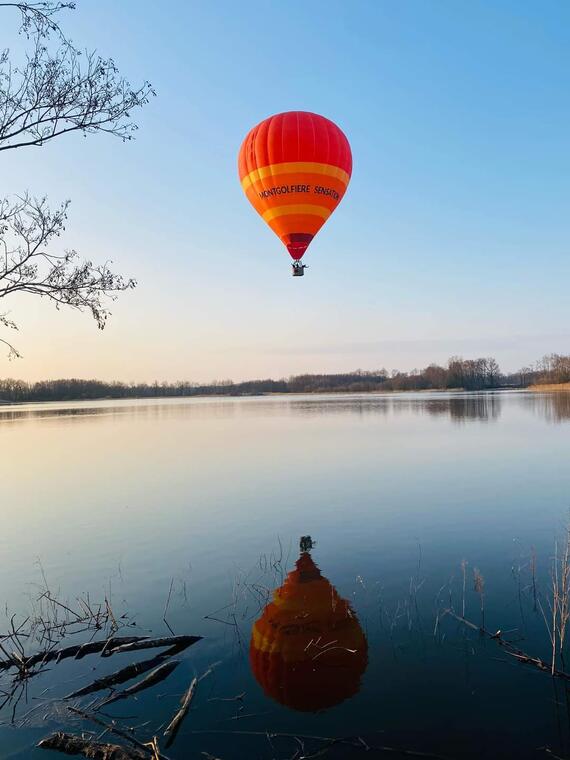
{"points": [[453, 237]]}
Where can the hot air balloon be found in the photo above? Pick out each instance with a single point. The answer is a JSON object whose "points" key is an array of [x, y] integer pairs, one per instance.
{"points": [[307, 649], [294, 168]]}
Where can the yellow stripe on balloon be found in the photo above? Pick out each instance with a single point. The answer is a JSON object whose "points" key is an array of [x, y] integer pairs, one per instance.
{"points": [[297, 208], [291, 167], [262, 643]]}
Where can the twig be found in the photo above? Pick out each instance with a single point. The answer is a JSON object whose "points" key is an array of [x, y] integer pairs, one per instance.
{"points": [[167, 605], [237, 698]]}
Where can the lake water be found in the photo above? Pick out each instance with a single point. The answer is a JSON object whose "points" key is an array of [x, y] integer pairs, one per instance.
{"points": [[197, 507]]}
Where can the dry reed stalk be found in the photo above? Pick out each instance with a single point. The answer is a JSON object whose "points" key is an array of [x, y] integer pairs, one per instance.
{"points": [[560, 605], [479, 585], [565, 595], [554, 605], [533, 573], [464, 572], [51, 620]]}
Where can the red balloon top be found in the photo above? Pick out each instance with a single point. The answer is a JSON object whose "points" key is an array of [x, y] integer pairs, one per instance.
{"points": [[294, 136]]}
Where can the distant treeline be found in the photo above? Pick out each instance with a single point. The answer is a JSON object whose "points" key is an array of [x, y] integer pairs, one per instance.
{"points": [[551, 369], [468, 374]]}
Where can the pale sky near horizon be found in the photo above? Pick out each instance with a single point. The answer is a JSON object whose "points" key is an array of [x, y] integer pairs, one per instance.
{"points": [[453, 237]]}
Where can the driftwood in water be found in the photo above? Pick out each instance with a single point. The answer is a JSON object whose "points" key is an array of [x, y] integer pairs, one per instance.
{"points": [[77, 650], [75, 745], [106, 648], [119, 676], [154, 677], [172, 729], [177, 643]]}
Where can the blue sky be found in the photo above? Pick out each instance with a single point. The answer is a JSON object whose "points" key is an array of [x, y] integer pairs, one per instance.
{"points": [[454, 235]]}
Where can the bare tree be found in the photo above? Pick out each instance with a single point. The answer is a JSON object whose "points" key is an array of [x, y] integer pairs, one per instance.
{"points": [[493, 372], [28, 265], [56, 90]]}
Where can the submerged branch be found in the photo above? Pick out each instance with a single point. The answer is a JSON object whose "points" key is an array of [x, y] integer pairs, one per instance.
{"points": [[178, 644], [77, 651], [118, 732], [156, 676], [174, 725], [75, 745], [510, 649], [119, 676]]}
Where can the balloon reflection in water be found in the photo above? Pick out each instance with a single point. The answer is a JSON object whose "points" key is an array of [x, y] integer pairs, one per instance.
{"points": [[307, 649]]}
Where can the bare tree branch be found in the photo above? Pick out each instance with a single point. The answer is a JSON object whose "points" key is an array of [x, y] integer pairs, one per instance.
{"points": [[37, 17], [53, 94], [61, 90], [28, 265], [13, 353]]}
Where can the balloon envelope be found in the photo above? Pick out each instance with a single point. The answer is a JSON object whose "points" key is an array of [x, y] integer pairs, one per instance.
{"points": [[307, 649], [294, 168]]}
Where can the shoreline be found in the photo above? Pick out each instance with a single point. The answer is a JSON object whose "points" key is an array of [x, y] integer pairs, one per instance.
{"points": [[550, 387], [504, 389]]}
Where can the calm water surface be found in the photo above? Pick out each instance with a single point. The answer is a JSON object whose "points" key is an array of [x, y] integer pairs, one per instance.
{"points": [[209, 497]]}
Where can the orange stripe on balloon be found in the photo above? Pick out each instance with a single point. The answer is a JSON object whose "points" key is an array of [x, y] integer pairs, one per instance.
{"points": [[292, 167], [297, 208]]}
